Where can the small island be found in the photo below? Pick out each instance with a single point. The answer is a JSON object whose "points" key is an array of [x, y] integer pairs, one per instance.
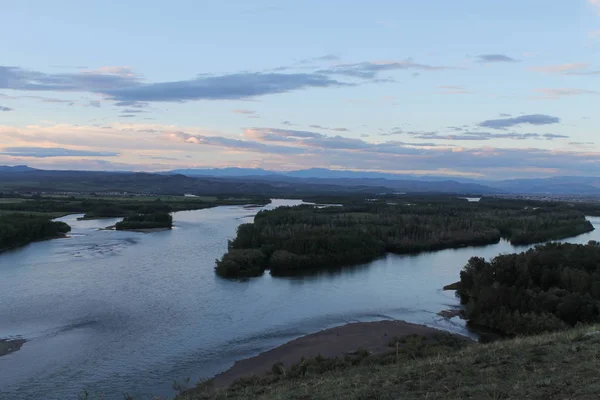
{"points": [[146, 222]]}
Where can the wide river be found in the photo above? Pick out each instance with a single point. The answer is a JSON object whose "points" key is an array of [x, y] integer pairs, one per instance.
{"points": [[122, 312]]}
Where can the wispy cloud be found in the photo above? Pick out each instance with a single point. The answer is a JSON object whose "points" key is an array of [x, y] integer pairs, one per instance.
{"points": [[369, 70], [46, 152], [495, 58], [561, 68], [2, 108], [127, 89], [224, 87], [483, 136], [453, 89], [561, 92], [243, 111], [285, 147], [531, 119], [329, 129], [596, 4], [325, 58]]}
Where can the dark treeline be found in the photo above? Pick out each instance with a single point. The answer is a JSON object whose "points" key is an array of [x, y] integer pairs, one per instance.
{"points": [[20, 229], [547, 288], [146, 221], [114, 207], [291, 240], [38, 211]]}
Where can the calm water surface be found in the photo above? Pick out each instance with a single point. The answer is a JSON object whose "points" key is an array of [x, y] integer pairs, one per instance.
{"points": [[122, 312]]}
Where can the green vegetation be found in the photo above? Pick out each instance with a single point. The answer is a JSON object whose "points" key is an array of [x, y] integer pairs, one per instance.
{"points": [[155, 220], [20, 229], [24, 219], [546, 288], [115, 207], [290, 240], [552, 366]]}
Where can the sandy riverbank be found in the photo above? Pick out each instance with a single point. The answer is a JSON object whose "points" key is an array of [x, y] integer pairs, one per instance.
{"points": [[338, 341]]}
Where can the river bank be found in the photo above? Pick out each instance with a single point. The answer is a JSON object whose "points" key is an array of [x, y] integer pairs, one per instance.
{"points": [[374, 337]]}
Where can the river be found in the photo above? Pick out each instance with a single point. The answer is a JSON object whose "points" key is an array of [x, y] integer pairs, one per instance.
{"points": [[122, 312]]}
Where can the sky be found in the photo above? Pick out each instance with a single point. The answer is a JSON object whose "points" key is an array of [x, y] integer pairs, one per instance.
{"points": [[469, 88]]}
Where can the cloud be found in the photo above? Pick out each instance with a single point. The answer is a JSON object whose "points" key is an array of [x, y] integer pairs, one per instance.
{"points": [[560, 68], [481, 136], [46, 152], [286, 149], [126, 88], [531, 119], [505, 115], [551, 136], [2, 108], [90, 81], [94, 103], [288, 123], [229, 143], [243, 111], [453, 89], [495, 58], [132, 111], [320, 142], [595, 3], [369, 70], [134, 104], [224, 87], [326, 57], [329, 129], [581, 143], [127, 116], [580, 69], [557, 93]]}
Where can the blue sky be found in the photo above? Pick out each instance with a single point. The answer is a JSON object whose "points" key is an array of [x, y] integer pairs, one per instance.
{"points": [[484, 89]]}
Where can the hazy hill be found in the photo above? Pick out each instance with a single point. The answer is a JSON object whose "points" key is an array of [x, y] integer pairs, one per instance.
{"points": [[568, 185]]}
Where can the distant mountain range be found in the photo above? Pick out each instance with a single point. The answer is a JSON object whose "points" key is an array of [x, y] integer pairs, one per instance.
{"points": [[320, 173], [307, 181], [16, 168], [566, 185]]}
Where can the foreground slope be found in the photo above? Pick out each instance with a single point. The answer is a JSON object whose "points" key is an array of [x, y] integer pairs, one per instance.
{"points": [[561, 365]]}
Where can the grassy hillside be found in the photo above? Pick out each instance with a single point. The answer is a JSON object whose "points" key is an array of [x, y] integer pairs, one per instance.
{"points": [[560, 365]]}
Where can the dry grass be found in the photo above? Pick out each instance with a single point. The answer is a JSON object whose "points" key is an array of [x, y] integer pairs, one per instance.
{"points": [[561, 365]]}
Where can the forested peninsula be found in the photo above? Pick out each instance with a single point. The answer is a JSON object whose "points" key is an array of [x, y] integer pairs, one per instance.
{"points": [[20, 229], [292, 240], [550, 287]]}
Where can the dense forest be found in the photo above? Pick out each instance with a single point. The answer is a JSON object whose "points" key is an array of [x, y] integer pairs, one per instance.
{"points": [[28, 218], [549, 287], [99, 207], [291, 240], [155, 220], [20, 229]]}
